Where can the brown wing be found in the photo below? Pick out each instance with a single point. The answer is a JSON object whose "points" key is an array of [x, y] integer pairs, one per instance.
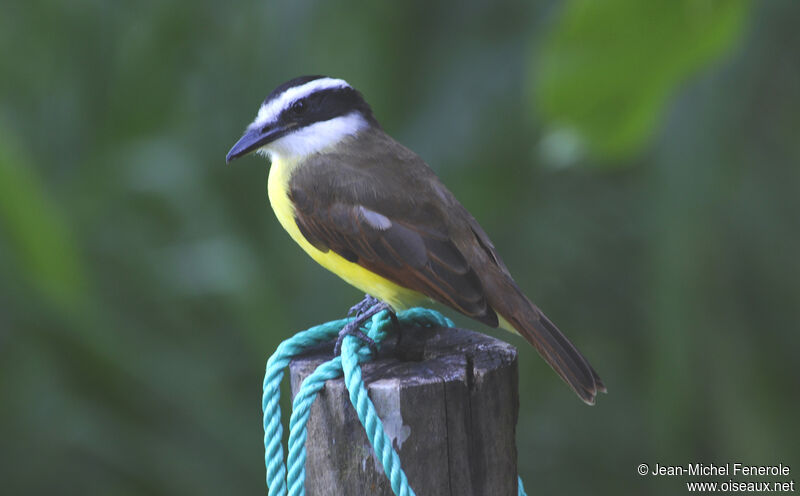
{"points": [[380, 206], [415, 255]]}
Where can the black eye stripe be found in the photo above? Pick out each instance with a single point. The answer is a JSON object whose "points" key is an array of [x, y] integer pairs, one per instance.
{"points": [[323, 105]]}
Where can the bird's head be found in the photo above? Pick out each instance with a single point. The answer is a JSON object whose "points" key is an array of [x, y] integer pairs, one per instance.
{"points": [[305, 115]]}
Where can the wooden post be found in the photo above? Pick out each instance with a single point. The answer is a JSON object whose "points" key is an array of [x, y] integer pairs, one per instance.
{"points": [[448, 399]]}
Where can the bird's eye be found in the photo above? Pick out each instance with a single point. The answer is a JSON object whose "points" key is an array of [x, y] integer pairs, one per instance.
{"points": [[298, 107]]}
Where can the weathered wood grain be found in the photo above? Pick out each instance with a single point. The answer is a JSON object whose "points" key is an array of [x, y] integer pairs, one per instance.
{"points": [[448, 399]]}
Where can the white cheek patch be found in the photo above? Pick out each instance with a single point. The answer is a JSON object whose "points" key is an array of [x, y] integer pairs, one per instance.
{"points": [[316, 137], [270, 111]]}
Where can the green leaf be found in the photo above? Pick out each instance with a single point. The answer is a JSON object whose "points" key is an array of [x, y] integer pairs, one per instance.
{"points": [[607, 68], [34, 232]]}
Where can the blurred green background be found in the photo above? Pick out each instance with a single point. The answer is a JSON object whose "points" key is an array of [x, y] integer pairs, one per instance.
{"points": [[636, 164]]}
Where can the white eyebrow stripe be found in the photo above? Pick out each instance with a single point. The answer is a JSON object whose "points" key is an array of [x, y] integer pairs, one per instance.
{"points": [[270, 111]]}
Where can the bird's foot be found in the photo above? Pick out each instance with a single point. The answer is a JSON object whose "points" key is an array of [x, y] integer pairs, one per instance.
{"points": [[356, 333], [364, 311], [363, 305]]}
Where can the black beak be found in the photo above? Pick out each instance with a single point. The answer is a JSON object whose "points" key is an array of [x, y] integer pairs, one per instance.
{"points": [[254, 139]]}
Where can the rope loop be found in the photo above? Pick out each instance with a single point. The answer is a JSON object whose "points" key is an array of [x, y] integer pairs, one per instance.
{"points": [[289, 478]]}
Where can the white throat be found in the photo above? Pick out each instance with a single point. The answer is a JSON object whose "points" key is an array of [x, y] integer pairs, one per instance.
{"points": [[315, 138]]}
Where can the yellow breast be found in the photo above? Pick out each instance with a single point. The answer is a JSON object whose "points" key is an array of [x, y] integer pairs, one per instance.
{"points": [[385, 290]]}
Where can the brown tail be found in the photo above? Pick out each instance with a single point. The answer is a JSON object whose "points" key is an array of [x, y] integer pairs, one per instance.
{"points": [[527, 320]]}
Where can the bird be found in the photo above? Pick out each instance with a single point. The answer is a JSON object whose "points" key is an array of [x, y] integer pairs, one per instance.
{"points": [[374, 213]]}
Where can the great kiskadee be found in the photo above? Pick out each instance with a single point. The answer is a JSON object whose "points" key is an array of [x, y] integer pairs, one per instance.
{"points": [[371, 211]]}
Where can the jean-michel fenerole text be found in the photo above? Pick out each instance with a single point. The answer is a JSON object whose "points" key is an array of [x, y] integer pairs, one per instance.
{"points": [[729, 469]]}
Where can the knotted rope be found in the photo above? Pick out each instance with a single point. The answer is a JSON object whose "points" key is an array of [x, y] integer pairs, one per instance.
{"points": [[354, 353]]}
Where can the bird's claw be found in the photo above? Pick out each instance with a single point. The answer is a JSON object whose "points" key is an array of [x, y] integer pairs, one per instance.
{"points": [[362, 306], [363, 311], [356, 333]]}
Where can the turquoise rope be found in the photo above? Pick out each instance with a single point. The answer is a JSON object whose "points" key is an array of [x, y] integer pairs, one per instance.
{"points": [[354, 353]]}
